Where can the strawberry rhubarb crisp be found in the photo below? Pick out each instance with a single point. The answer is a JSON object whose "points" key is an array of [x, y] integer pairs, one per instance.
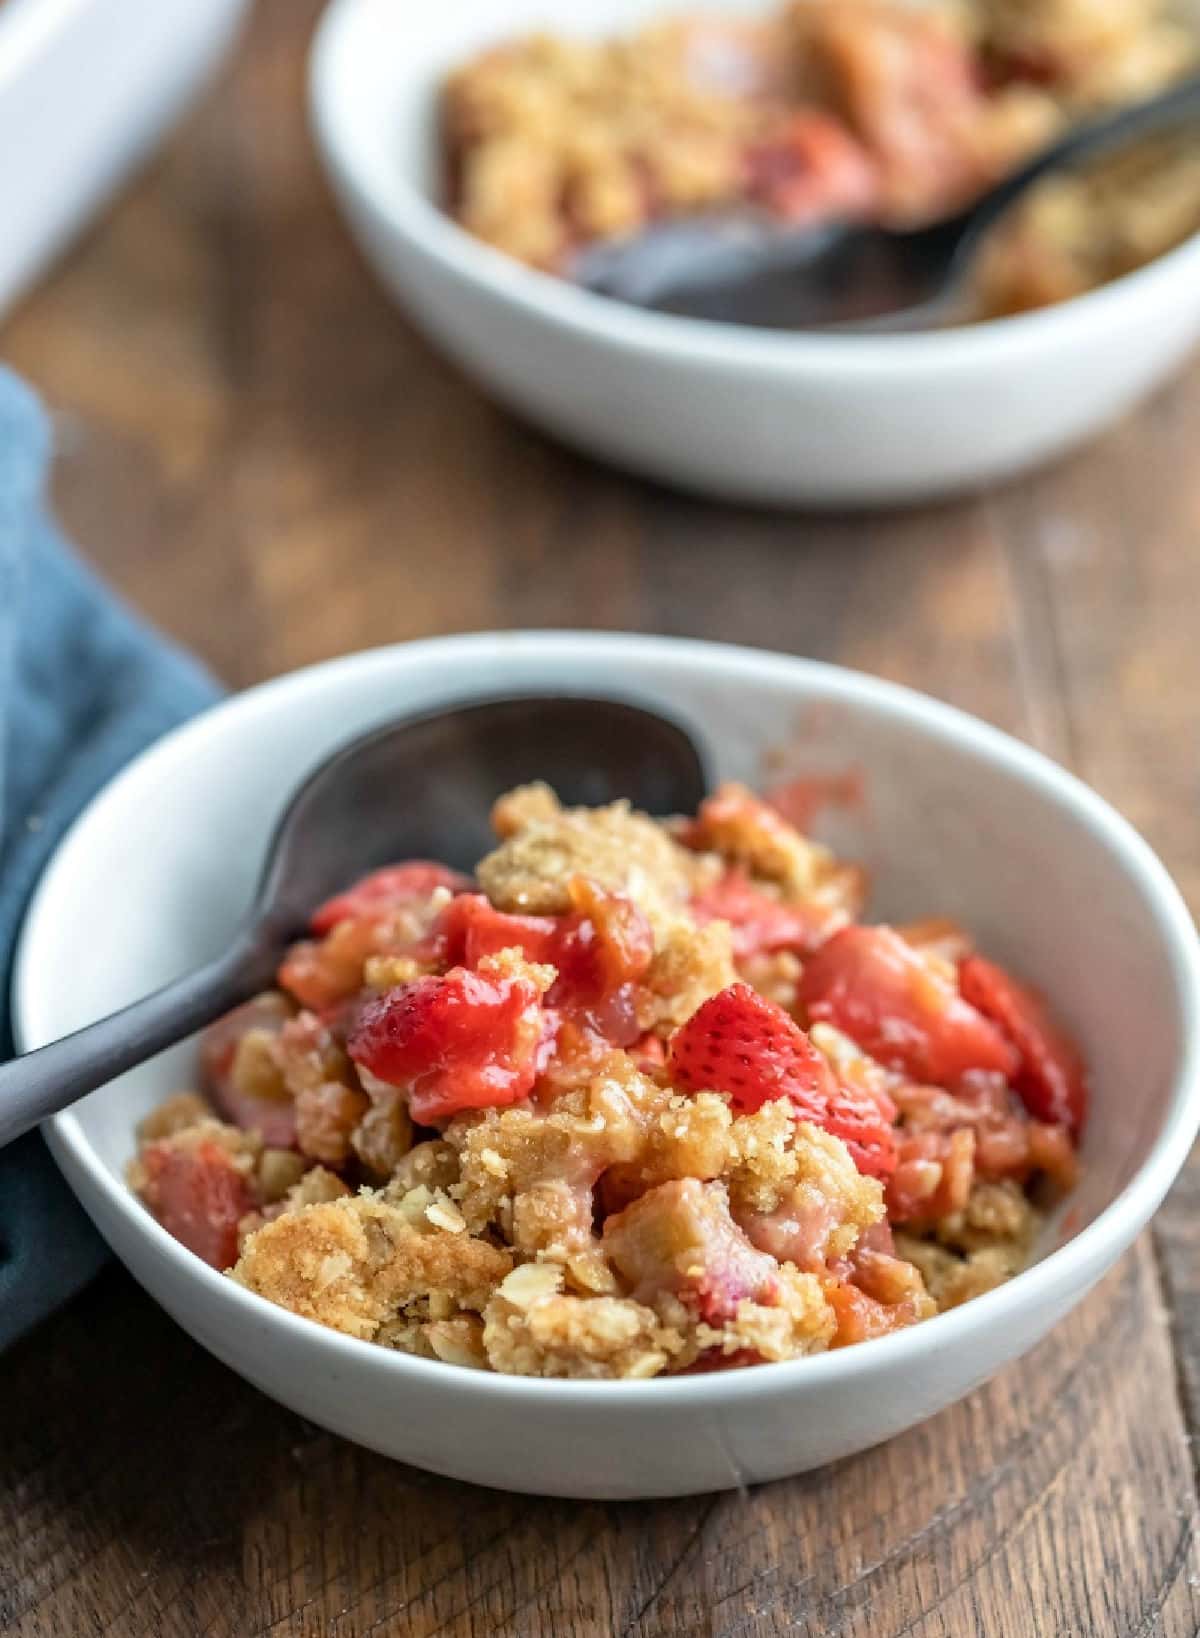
{"points": [[642, 1097], [877, 110]]}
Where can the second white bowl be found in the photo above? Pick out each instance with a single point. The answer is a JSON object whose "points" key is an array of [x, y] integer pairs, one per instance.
{"points": [[784, 419]]}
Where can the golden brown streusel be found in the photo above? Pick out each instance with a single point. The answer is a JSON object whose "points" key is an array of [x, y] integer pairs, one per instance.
{"points": [[619, 849], [689, 965], [356, 1264], [532, 1328], [174, 1114]]}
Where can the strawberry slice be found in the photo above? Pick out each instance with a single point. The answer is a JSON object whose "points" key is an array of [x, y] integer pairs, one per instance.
{"points": [[599, 949], [471, 928], [385, 890], [470, 1040], [199, 1194], [813, 169], [741, 1043], [763, 925], [1052, 1080], [901, 1008]]}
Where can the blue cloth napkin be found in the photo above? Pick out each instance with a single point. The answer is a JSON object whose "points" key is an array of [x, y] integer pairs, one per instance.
{"points": [[83, 687]]}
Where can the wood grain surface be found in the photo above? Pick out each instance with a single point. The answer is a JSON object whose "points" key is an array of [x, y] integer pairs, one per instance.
{"points": [[264, 456]]}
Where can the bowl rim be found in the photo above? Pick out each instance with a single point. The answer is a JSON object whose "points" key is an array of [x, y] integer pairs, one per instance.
{"points": [[27, 27], [410, 215], [1062, 1272]]}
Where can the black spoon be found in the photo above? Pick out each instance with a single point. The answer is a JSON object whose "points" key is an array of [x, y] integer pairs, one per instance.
{"points": [[418, 788], [741, 268]]}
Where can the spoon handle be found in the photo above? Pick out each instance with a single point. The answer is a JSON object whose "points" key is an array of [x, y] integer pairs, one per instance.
{"points": [[43, 1082], [1088, 141]]}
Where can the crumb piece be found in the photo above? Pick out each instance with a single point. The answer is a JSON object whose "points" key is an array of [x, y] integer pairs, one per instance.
{"points": [[796, 1191], [279, 1171], [799, 1322], [539, 1165], [390, 972], [619, 849], [255, 1071], [173, 1115], [531, 1328], [316, 1188], [329, 1102], [431, 1165], [775, 975], [689, 1136], [533, 804], [357, 1263], [690, 963], [975, 1249], [749, 833], [384, 1135], [953, 1279], [458, 1342]]}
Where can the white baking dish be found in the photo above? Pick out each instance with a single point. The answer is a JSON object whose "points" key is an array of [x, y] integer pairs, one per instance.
{"points": [[86, 88]]}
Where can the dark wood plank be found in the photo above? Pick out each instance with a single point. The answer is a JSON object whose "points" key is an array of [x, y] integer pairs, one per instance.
{"points": [[261, 452]]}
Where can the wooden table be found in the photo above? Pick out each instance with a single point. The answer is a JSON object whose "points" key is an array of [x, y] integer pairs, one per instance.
{"points": [[264, 456]]}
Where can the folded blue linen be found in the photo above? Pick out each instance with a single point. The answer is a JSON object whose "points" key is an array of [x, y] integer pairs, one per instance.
{"points": [[84, 686]]}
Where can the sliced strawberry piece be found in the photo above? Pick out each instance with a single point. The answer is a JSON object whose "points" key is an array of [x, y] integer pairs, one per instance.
{"points": [[741, 1043], [470, 928], [902, 1009], [600, 949], [199, 1194], [813, 170], [604, 944], [763, 925], [384, 890], [1052, 1080], [466, 1041]]}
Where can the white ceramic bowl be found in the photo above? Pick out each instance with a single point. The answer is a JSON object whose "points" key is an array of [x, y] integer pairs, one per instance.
{"points": [[86, 88], [958, 819], [784, 419]]}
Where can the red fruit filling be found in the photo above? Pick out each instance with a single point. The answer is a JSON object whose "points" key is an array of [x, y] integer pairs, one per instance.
{"points": [[904, 1010], [1051, 1081], [466, 1041], [199, 1195], [385, 890], [600, 949], [763, 925]]}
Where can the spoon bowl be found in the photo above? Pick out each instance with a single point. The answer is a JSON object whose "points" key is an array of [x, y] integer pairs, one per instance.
{"points": [[421, 786]]}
